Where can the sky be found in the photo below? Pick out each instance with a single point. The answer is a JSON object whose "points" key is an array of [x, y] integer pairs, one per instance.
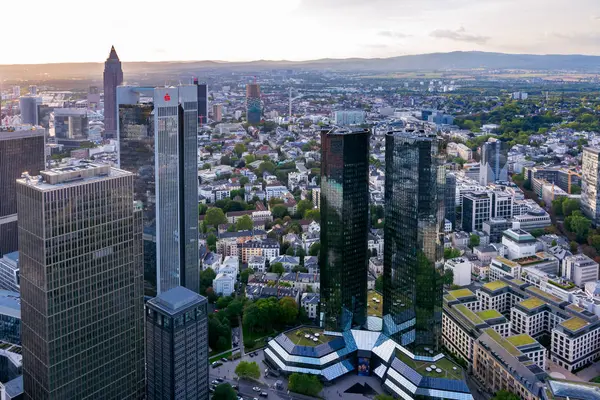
{"points": [[242, 30]]}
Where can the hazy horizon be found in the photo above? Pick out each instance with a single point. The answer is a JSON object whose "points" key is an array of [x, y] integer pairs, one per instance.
{"points": [[295, 30]]}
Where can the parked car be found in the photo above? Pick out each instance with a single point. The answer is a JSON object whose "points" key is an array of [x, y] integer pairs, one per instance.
{"points": [[216, 364], [263, 394], [220, 380], [256, 389]]}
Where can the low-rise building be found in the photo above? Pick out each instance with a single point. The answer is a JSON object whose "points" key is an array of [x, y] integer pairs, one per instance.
{"points": [[224, 284], [257, 264], [310, 303], [580, 269], [461, 268]]}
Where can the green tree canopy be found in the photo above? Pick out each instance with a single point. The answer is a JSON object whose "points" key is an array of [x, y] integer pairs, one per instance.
{"points": [[206, 279], [244, 223], [211, 242], [277, 268], [224, 391], [314, 249], [304, 206], [578, 224], [215, 216], [239, 149], [266, 166], [505, 395], [379, 284], [474, 241], [288, 310], [246, 369], [570, 205], [309, 385], [451, 252], [245, 274], [279, 211], [383, 397], [314, 215], [448, 276]]}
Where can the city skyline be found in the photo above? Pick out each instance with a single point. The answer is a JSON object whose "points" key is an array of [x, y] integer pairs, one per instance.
{"points": [[381, 28]]}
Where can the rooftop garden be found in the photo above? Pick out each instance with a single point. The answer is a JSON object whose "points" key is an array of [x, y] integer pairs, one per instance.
{"points": [[545, 295], [470, 315], [448, 369], [374, 303], [575, 308], [457, 294], [495, 285], [565, 285], [574, 324], [528, 260], [532, 303], [520, 340], [508, 346], [489, 314], [507, 262], [307, 336]]}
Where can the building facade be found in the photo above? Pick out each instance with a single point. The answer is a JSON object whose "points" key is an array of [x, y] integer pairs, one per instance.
{"points": [[158, 142], [81, 278], [494, 162], [253, 103], [177, 346], [344, 234], [450, 199], [20, 151], [414, 215], [9, 272], [590, 185], [113, 77], [476, 209]]}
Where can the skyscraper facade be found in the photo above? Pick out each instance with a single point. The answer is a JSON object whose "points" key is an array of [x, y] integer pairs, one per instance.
{"points": [[414, 221], [590, 184], [29, 110], [113, 77], [81, 284], [202, 101], [344, 227], [494, 162], [450, 199], [158, 141], [21, 150], [253, 104], [177, 346]]}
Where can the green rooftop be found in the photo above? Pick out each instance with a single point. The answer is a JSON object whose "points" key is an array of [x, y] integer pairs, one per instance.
{"points": [[457, 294], [519, 282], [299, 337], [574, 324], [495, 285], [470, 315], [575, 308], [374, 307], [489, 314], [532, 303], [507, 262], [521, 340], [449, 297], [545, 295], [508, 346], [449, 369]]}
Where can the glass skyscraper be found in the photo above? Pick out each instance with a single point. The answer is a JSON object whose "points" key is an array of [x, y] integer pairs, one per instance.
{"points": [[158, 139], [253, 104], [344, 227], [414, 222], [81, 284]]}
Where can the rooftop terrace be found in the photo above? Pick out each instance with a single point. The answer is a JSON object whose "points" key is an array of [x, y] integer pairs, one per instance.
{"points": [[520, 340], [374, 308], [508, 346], [449, 370], [299, 337], [470, 315]]}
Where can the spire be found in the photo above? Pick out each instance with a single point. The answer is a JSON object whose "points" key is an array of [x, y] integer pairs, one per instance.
{"points": [[113, 54]]}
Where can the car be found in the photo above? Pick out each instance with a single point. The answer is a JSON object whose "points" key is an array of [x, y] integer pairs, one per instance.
{"points": [[256, 389], [256, 353], [210, 389], [216, 364], [235, 387], [251, 354], [255, 398], [263, 394], [224, 359], [220, 380], [215, 382]]}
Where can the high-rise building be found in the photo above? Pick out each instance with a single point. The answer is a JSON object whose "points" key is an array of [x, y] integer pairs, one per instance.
{"points": [[476, 209], [414, 227], [71, 126], [9, 272], [82, 293], [177, 346], [344, 227], [450, 199], [32, 90], [93, 98], [158, 142], [202, 101], [494, 162], [349, 117], [113, 77], [590, 184], [253, 104], [29, 110], [20, 151], [217, 112]]}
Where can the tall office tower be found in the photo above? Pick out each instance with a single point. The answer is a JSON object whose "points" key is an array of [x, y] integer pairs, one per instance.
{"points": [[590, 184], [20, 151], [113, 77], [253, 104], [177, 346], [32, 90], [450, 199], [217, 112], [494, 162], [158, 139], [71, 126], [414, 226], [344, 227], [29, 110], [82, 293], [202, 101], [476, 209]]}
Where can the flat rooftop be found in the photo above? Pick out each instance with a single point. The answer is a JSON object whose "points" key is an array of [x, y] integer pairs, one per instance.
{"points": [[532, 303], [449, 370], [461, 293], [71, 175], [495, 285], [374, 304], [574, 324], [521, 340], [307, 336], [489, 314], [175, 300]]}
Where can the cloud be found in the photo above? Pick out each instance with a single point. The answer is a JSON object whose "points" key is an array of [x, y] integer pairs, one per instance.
{"points": [[592, 38], [459, 35], [393, 35]]}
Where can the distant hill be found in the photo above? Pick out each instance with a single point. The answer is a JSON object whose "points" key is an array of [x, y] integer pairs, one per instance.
{"points": [[457, 60]]}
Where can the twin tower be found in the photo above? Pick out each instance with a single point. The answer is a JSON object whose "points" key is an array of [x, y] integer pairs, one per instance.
{"points": [[413, 234]]}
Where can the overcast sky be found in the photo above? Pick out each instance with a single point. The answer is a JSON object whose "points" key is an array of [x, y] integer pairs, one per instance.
{"points": [[41, 31]]}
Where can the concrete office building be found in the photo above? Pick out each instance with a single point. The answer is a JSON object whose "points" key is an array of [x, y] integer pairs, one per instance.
{"points": [[476, 209], [29, 110], [590, 184], [21, 150], [349, 117], [71, 126], [217, 112], [177, 346], [580, 269], [158, 142], [9, 272], [82, 280], [113, 77]]}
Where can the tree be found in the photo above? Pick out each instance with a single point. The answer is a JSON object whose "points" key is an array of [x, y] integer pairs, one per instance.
{"points": [[557, 205], [536, 233], [309, 385], [250, 158], [234, 309], [223, 302], [288, 310], [246, 370], [383, 397], [226, 160], [218, 328], [277, 268], [224, 391], [206, 166], [239, 149], [573, 246], [279, 211], [244, 180], [448, 277], [505, 395], [304, 206], [202, 208], [245, 274], [474, 240], [570, 205], [206, 279], [314, 249], [244, 223], [215, 216], [313, 214], [266, 166], [459, 161], [379, 284], [451, 252], [211, 295], [578, 224], [211, 242]]}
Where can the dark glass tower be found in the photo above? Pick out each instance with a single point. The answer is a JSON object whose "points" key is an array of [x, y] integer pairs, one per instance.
{"points": [[344, 227], [82, 287], [20, 151], [113, 77], [202, 101], [414, 218], [450, 199], [177, 346], [253, 105]]}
